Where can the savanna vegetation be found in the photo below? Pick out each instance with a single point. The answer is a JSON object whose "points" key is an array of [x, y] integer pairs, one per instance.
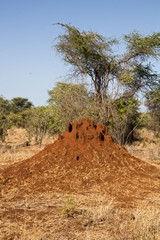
{"points": [[115, 84]]}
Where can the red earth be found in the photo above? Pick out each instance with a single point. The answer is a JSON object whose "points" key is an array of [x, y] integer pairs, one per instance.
{"points": [[84, 159]]}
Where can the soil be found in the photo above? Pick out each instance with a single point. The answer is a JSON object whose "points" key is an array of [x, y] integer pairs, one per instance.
{"points": [[84, 159]]}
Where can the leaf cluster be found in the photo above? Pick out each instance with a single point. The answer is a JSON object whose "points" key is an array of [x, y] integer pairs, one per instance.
{"points": [[143, 47]]}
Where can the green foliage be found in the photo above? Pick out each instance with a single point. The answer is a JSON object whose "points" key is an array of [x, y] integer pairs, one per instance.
{"points": [[69, 207], [153, 104], [3, 128], [38, 123], [153, 101], [4, 106], [72, 101], [139, 77], [4, 112], [12, 113], [143, 47], [19, 104], [69, 102], [18, 119], [124, 119]]}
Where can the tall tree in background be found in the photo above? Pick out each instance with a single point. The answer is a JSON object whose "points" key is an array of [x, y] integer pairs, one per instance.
{"points": [[18, 107], [89, 54], [20, 104], [92, 54]]}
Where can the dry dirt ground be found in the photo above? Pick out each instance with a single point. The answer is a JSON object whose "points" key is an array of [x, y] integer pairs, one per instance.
{"points": [[80, 186]]}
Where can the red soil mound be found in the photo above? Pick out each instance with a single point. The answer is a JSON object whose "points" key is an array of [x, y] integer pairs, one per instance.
{"points": [[84, 159]]}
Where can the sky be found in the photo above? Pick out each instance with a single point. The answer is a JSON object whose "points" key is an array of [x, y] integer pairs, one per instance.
{"points": [[30, 66]]}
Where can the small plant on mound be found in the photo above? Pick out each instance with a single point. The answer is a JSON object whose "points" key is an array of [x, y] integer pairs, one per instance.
{"points": [[69, 207]]}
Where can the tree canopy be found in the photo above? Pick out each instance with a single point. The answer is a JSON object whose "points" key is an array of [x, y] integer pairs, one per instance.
{"points": [[20, 104], [92, 54]]}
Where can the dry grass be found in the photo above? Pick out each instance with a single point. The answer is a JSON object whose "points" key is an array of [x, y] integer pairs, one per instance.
{"points": [[147, 148], [14, 149], [10, 156], [90, 217]]}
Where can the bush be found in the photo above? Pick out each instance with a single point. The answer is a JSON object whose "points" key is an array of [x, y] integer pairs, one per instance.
{"points": [[124, 119], [37, 123]]}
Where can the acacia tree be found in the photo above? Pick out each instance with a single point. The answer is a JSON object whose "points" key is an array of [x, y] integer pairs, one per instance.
{"points": [[92, 54], [89, 54]]}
